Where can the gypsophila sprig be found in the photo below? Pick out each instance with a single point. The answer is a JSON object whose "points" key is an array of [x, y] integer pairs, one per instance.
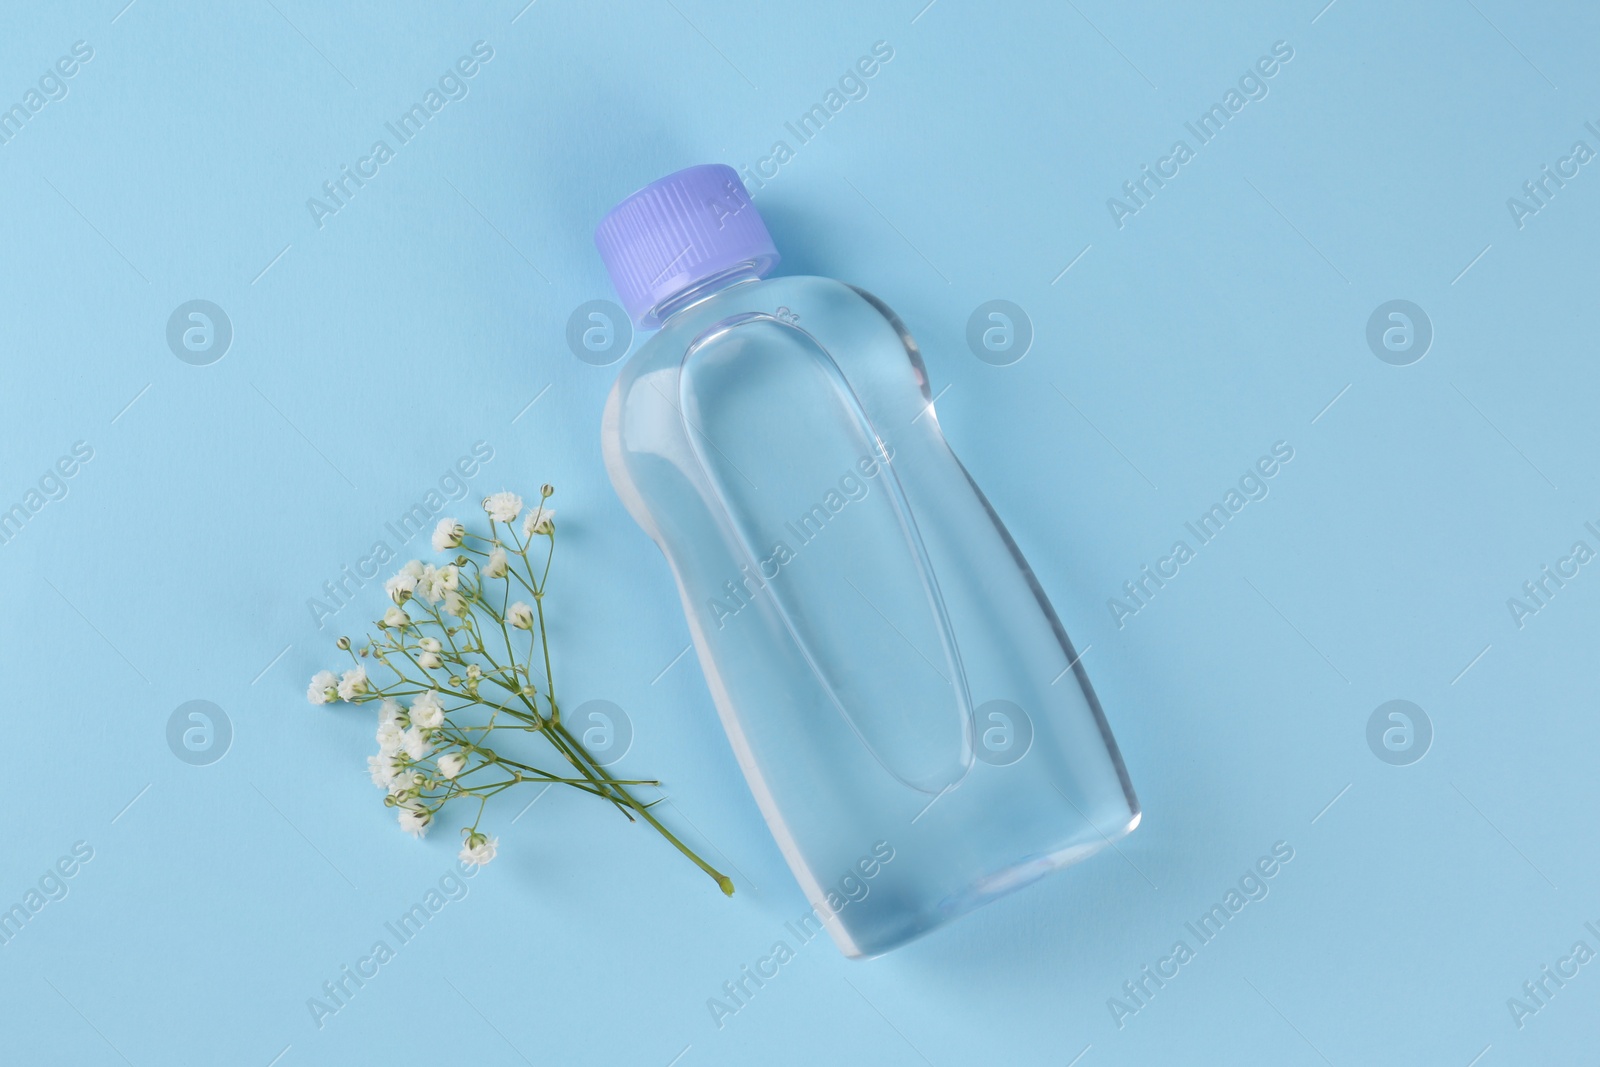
{"points": [[464, 656]]}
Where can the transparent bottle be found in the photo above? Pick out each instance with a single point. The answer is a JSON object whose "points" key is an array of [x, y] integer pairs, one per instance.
{"points": [[907, 709]]}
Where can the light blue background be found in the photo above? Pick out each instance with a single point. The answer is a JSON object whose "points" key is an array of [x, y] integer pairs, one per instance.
{"points": [[427, 314]]}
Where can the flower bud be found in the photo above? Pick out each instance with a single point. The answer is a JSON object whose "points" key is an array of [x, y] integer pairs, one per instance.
{"points": [[479, 848], [343, 643], [324, 688], [448, 534]]}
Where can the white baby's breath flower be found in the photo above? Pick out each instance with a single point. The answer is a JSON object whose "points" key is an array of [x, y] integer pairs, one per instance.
{"points": [[391, 736], [434, 582], [396, 617], [324, 688], [479, 849], [404, 781], [382, 769], [450, 765], [520, 616], [430, 644], [448, 534], [353, 684], [503, 507], [427, 712], [414, 822], [539, 519], [426, 582], [414, 743], [428, 660], [497, 565], [455, 604], [404, 583], [389, 711], [428, 717]]}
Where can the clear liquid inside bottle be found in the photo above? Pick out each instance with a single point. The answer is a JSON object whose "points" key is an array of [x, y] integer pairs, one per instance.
{"points": [[907, 709]]}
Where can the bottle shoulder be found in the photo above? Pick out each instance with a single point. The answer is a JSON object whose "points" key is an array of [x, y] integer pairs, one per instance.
{"points": [[793, 299], [861, 332]]}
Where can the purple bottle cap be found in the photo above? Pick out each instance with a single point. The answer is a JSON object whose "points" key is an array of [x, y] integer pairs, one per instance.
{"points": [[677, 232]]}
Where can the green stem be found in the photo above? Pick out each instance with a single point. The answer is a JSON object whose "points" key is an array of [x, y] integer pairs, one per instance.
{"points": [[723, 881]]}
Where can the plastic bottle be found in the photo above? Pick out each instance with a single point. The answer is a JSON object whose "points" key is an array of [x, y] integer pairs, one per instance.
{"points": [[907, 709]]}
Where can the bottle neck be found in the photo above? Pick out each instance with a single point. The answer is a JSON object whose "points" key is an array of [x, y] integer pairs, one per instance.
{"points": [[706, 288]]}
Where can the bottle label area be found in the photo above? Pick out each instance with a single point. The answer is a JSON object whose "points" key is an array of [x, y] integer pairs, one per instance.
{"points": [[826, 543]]}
